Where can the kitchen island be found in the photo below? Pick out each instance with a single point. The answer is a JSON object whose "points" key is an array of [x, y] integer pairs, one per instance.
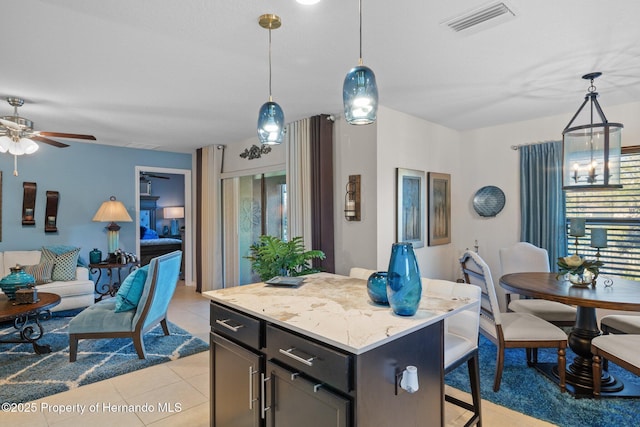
{"points": [[322, 354]]}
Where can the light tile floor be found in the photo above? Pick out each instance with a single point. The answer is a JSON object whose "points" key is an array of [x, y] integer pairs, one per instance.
{"points": [[177, 393]]}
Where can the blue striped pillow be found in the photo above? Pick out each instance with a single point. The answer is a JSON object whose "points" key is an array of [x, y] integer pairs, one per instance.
{"points": [[41, 272]]}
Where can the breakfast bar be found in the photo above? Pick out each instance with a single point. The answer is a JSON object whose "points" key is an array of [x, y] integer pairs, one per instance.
{"points": [[322, 354]]}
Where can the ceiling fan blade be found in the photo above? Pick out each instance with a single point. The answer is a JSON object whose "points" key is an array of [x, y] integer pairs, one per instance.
{"points": [[10, 125], [68, 135], [48, 141]]}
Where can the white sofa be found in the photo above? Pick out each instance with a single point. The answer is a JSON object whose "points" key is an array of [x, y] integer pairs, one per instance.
{"points": [[78, 293]]}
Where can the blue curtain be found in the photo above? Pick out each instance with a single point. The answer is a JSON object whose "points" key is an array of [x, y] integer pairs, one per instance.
{"points": [[542, 202]]}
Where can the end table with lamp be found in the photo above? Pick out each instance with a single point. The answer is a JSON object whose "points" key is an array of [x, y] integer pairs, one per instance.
{"points": [[116, 272]]}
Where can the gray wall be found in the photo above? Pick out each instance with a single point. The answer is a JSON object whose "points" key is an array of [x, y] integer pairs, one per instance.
{"points": [[85, 175]]}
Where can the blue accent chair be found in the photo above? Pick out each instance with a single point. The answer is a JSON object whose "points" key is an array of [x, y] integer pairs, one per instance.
{"points": [[101, 321]]}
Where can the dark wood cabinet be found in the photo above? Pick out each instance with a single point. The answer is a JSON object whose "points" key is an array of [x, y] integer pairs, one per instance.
{"points": [[235, 391], [294, 400]]}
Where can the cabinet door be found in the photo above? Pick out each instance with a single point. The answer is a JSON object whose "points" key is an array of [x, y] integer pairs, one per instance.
{"points": [[235, 384], [294, 401]]}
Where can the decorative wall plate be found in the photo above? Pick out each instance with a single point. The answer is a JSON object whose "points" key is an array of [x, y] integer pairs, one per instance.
{"points": [[488, 201]]}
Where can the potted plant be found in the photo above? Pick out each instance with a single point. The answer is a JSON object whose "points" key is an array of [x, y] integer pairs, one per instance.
{"points": [[272, 257], [581, 271]]}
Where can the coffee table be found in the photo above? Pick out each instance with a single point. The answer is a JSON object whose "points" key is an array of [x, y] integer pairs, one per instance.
{"points": [[26, 319]]}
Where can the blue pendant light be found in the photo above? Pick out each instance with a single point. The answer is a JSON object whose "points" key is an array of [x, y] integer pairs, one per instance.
{"points": [[271, 116], [360, 91]]}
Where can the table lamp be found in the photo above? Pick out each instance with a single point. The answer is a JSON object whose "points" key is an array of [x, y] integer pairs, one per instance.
{"points": [[576, 229], [174, 213], [598, 239], [111, 211]]}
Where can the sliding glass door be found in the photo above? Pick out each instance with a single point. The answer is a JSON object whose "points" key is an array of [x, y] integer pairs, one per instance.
{"points": [[253, 205]]}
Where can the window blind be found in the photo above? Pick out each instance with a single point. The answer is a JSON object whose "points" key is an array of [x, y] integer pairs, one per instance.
{"points": [[616, 210]]}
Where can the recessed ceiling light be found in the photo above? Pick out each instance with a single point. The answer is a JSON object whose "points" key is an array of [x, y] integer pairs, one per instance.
{"points": [[308, 2]]}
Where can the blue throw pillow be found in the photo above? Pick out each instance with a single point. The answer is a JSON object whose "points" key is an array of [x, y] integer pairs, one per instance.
{"points": [[130, 290]]}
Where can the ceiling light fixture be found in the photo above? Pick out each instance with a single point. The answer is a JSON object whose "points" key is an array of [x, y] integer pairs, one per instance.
{"points": [[271, 116], [308, 2], [360, 92], [591, 152]]}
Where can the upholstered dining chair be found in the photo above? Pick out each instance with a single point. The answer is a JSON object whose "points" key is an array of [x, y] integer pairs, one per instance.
{"points": [[461, 340], [102, 320], [523, 257], [620, 349], [512, 329], [619, 324]]}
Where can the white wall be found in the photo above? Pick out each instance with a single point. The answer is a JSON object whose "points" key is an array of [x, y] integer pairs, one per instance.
{"points": [[408, 142], [354, 153]]}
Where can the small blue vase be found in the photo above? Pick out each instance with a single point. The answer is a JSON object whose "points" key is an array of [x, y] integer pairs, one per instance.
{"points": [[377, 287], [404, 284]]}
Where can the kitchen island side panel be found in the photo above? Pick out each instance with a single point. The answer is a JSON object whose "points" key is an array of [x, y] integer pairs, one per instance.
{"points": [[377, 403]]}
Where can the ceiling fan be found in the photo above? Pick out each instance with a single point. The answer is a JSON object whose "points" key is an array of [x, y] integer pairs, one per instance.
{"points": [[17, 135], [144, 176]]}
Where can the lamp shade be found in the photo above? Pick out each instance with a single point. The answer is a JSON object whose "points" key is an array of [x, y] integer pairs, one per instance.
{"points": [[5, 143], [360, 96], [270, 124], [111, 211], [173, 212]]}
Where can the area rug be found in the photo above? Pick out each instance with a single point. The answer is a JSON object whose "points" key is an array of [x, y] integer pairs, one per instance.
{"points": [[26, 376], [526, 390]]}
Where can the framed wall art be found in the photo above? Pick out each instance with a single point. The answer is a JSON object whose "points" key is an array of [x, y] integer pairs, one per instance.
{"points": [[410, 206], [439, 208]]}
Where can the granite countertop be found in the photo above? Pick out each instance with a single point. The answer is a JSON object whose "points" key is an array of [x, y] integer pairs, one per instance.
{"points": [[335, 310]]}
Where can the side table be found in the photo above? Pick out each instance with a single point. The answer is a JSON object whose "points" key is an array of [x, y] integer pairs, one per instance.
{"points": [[114, 273], [26, 319]]}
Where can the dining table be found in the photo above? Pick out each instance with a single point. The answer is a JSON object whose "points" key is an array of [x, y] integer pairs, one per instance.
{"points": [[607, 292]]}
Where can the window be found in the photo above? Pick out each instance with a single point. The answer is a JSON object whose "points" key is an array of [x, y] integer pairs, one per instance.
{"points": [[618, 211]]}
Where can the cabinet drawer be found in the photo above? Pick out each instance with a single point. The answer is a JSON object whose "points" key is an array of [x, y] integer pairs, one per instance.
{"points": [[235, 325], [315, 360]]}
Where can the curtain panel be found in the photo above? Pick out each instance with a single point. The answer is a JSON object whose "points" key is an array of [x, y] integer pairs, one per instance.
{"points": [[321, 138], [209, 253], [542, 202]]}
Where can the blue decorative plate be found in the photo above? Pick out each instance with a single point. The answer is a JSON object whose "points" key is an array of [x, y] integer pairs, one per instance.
{"points": [[488, 201]]}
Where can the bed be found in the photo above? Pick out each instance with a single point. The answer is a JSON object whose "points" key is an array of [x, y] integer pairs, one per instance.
{"points": [[151, 245]]}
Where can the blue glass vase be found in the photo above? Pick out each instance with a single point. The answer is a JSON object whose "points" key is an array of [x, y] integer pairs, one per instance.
{"points": [[377, 287], [404, 284]]}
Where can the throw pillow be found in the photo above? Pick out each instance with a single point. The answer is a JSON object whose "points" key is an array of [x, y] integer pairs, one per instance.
{"points": [[65, 263], [130, 290], [41, 272]]}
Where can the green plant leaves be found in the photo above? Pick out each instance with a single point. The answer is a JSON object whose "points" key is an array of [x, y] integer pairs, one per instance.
{"points": [[272, 257]]}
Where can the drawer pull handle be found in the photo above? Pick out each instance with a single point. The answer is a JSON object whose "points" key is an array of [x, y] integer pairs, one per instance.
{"points": [[263, 391], [251, 399], [289, 353], [317, 387], [226, 325]]}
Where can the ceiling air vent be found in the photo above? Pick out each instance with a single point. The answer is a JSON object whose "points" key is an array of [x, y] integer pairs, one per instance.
{"points": [[493, 13]]}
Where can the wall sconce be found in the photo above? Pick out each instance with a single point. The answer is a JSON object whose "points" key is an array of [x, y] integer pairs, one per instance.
{"points": [[352, 199]]}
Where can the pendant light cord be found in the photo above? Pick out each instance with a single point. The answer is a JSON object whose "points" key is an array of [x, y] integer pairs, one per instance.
{"points": [[270, 98], [360, 14]]}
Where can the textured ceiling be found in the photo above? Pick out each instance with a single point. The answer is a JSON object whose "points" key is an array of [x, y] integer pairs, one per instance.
{"points": [[177, 75]]}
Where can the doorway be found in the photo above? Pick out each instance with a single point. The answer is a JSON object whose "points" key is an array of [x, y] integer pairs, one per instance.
{"points": [[162, 188]]}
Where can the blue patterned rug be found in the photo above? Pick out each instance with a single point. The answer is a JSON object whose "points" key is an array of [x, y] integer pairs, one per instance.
{"points": [[26, 376], [526, 390]]}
